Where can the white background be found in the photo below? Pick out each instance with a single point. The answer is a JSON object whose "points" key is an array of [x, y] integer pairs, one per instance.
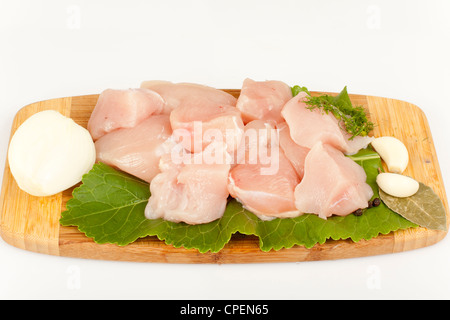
{"points": [[397, 49]]}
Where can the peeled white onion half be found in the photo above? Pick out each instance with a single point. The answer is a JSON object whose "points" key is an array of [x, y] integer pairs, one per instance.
{"points": [[50, 153]]}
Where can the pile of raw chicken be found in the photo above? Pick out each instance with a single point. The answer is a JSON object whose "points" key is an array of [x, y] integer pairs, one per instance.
{"points": [[147, 130]]}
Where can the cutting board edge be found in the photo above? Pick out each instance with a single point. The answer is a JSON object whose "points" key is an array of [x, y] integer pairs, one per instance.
{"points": [[330, 250]]}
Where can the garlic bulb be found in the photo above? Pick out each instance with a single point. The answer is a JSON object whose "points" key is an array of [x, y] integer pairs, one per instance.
{"points": [[397, 185], [393, 152], [50, 153]]}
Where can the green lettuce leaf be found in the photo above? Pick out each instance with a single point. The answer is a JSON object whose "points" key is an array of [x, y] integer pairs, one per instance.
{"points": [[109, 207], [297, 89]]}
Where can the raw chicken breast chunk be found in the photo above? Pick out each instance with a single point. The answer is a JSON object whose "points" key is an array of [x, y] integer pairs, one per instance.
{"points": [[197, 125], [307, 127], [263, 100], [264, 179], [333, 184], [136, 150], [117, 109], [178, 94], [192, 191], [294, 152]]}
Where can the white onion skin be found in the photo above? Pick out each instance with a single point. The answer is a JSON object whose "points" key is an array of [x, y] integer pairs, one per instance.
{"points": [[50, 153]]}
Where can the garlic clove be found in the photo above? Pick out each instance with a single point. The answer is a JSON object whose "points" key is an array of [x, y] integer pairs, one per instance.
{"points": [[393, 152], [397, 185], [50, 153]]}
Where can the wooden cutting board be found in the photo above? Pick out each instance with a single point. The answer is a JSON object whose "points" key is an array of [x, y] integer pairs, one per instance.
{"points": [[32, 223]]}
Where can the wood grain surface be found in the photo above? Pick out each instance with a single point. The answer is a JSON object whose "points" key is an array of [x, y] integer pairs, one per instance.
{"points": [[32, 223]]}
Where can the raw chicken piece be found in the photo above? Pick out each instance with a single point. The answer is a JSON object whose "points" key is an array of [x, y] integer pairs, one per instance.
{"points": [[117, 109], [136, 150], [256, 143], [294, 152], [265, 181], [196, 125], [263, 100], [332, 184], [194, 192], [307, 127], [178, 94]]}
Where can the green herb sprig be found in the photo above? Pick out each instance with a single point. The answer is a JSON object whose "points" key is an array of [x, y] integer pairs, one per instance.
{"points": [[352, 119]]}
